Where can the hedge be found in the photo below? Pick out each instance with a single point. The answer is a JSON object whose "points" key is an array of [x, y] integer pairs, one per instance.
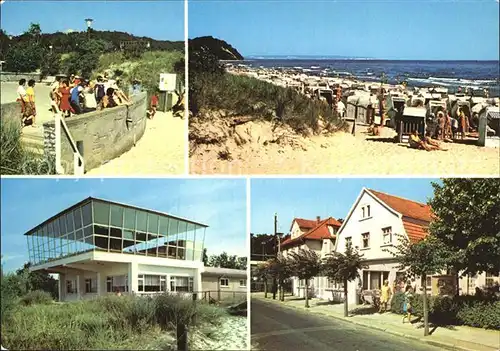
{"points": [[473, 311]]}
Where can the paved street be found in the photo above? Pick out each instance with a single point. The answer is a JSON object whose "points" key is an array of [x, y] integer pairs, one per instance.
{"points": [[279, 328]]}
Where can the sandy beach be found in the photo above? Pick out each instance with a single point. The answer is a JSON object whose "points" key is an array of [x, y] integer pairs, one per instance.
{"points": [[253, 149], [160, 151]]}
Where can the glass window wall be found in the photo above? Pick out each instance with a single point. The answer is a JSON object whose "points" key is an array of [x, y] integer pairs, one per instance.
{"points": [[101, 226]]}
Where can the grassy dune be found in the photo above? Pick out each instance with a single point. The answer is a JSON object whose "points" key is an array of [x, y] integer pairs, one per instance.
{"points": [[109, 322]]}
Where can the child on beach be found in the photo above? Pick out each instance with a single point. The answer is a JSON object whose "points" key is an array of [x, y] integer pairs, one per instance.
{"points": [[154, 104]]}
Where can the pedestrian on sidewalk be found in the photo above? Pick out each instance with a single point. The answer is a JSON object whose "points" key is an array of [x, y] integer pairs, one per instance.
{"points": [[385, 296], [407, 304]]}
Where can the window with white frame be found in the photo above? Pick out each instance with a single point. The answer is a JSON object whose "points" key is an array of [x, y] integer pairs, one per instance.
{"points": [[152, 283], [428, 282], [117, 283], [348, 241], [365, 211], [224, 282], [71, 287], [471, 285], [491, 279], [181, 284], [243, 283], [90, 286], [365, 240], [387, 235]]}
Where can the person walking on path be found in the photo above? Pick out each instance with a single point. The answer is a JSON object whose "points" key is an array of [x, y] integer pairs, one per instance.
{"points": [[407, 304], [385, 296]]}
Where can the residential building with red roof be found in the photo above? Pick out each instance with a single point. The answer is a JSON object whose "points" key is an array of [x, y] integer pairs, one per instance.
{"points": [[318, 235], [375, 225]]}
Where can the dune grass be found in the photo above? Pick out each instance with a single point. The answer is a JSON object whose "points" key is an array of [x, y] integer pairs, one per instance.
{"points": [[14, 158], [108, 322], [247, 96]]}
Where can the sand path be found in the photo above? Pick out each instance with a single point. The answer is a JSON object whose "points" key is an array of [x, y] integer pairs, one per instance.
{"points": [[345, 154], [160, 151]]}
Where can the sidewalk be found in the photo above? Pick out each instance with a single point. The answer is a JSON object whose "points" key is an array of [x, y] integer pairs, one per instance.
{"points": [[450, 337]]}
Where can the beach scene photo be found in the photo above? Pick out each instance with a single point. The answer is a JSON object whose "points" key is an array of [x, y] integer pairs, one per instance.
{"points": [[365, 87], [92, 87]]}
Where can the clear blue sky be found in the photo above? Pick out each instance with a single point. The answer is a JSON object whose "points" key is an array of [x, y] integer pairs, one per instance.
{"points": [[219, 203], [386, 29], [161, 20], [308, 198]]}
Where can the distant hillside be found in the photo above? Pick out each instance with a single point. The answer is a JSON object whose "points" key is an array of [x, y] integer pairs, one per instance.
{"points": [[219, 48], [67, 42]]}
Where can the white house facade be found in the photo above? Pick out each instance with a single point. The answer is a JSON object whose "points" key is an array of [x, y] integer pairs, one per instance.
{"points": [[98, 246]]}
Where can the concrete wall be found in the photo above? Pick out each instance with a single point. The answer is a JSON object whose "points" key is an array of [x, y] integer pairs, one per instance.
{"points": [[105, 134], [15, 77], [11, 110]]}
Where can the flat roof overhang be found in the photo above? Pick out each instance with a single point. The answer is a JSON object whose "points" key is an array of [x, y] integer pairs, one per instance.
{"points": [[90, 198], [100, 257]]}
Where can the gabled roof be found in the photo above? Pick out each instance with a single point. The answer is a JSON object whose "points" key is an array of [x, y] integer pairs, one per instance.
{"points": [[407, 208], [304, 224], [319, 231], [416, 216]]}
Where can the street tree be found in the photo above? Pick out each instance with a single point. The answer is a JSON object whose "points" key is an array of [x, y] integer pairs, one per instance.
{"points": [[343, 268], [467, 221], [279, 269], [262, 273], [421, 259], [305, 264]]}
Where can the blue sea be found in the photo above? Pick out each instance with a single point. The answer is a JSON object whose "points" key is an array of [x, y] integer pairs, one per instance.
{"points": [[451, 74]]}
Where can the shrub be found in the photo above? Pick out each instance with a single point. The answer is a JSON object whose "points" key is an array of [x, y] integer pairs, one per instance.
{"points": [[457, 310], [481, 314], [37, 297]]}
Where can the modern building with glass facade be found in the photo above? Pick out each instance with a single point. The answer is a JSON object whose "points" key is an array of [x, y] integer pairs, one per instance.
{"points": [[98, 246]]}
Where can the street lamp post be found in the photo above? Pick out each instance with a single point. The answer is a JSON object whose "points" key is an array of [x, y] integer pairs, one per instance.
{"points": [[89, 25], [50, 48]]}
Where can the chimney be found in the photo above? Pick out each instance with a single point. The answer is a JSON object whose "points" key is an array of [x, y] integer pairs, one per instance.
{"points": [[318, 219]]}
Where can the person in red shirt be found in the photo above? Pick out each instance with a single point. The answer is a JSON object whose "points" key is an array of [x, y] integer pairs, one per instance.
{"points": [[154, 105]]}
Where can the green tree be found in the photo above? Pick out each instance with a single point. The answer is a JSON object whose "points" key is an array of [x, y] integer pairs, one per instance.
{"points": [[421, 259], [241, 263], [34, 30], [225, 261], [24, 57], [467, 221], [343, 268], [262, 272], [305, 264], [279, 269], [37, 280]]}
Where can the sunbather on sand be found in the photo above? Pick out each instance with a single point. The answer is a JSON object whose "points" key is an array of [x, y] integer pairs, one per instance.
{"points": [[428, 144]]}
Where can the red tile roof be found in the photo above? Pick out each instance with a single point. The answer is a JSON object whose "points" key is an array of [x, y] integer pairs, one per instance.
{"points": [[416, 215], [415, 232], [304, 224], [319, 231], [407, 208]]}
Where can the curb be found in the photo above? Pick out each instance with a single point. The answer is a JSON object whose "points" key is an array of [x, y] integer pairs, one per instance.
{"points": [[387, 330]]}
